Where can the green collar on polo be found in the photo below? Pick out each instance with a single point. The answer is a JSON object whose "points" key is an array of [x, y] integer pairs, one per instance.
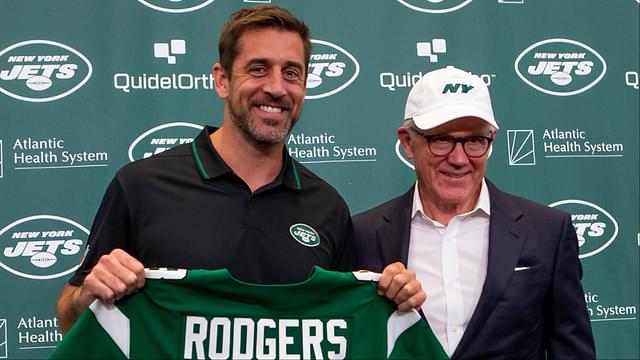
{"points": [[210, 165]]}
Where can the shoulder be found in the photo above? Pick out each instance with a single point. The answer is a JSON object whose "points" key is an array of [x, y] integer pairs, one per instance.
{"points": [[173, 161], [316, 188], [390, 207], [516, 206]]}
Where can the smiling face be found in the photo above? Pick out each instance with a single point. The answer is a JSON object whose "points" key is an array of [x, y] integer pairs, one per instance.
{"points": [[453, 181], [264, 93]]}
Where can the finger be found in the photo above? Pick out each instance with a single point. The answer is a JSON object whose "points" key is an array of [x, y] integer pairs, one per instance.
{"points": [[387, 276], [134, 266], [411, 296], [94, 288], [106, 274], [396, 284]]}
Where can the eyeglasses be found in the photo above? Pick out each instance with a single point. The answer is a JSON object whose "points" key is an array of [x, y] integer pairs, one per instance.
{"points": [[442, 145]]}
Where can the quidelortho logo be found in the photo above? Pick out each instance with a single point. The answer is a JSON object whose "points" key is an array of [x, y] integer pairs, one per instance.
{"points": [[430, 50], [331, 70], [560, 67], [161, 138], [434, 6], [42, 246], [169, 50], [521, 147], [393, 80], [632, 78], [175, 6], [595, 227], [171, 80], [42, 70]]}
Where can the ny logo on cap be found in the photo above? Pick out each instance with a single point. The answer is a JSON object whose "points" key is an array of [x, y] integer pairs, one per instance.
{"points": [[454, 88]]}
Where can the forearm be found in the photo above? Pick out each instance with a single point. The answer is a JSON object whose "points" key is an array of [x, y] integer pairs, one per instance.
{"points": [[69, 309]]}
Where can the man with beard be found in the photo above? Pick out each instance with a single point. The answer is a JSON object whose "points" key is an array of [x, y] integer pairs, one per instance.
{"points": [[233, 198]]}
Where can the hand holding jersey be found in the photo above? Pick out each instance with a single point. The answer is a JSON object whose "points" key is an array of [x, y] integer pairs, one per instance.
{"points": [[209, 314], [118, 274], [401, 286], [115, 275]]}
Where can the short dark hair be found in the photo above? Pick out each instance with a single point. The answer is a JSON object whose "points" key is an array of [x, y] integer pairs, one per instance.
{"points": [[259, 17]]}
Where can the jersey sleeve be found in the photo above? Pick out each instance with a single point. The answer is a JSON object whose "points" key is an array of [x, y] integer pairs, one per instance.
{"points": [[87, 340], [410, 337], [110, 230]]}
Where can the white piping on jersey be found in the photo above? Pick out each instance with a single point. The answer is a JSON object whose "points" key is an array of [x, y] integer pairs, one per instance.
{"points": [[397, 324], [115, 323]]}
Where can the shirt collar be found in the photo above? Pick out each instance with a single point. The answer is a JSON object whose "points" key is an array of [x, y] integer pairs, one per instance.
{"points": [[210, 165], [483, 204]]}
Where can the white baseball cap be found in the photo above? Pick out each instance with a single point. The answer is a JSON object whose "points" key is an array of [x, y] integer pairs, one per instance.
{"points": [[447, 94]]}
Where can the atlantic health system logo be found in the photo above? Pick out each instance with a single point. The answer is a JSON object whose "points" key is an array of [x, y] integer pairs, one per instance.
{"points": [[42, 70]]}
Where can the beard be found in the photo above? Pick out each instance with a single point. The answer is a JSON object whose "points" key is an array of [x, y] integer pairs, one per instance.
{"points": [[265, 131]]}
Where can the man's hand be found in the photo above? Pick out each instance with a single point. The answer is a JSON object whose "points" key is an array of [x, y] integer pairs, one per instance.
{"points": [[115, 275], [401, 286]]}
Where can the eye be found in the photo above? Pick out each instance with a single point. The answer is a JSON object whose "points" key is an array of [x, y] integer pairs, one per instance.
{"points": [[258, 70], [291, 74], [441, 140], [477, 140]]}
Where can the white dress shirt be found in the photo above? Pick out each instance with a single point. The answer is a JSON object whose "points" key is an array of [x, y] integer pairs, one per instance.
{"points": [[451, 263]]}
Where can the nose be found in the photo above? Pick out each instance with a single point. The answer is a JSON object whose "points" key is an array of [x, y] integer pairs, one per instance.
{"points": [[458, 156], [275, 85]]}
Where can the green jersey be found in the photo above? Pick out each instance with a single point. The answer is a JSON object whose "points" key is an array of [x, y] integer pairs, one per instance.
{"points": [[207, 314]]}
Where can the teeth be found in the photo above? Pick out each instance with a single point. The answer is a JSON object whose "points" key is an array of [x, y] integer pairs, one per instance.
{"points": [[270, 109]]}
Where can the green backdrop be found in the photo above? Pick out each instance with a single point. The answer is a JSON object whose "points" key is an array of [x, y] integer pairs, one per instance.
{"points": [[87, 86]]}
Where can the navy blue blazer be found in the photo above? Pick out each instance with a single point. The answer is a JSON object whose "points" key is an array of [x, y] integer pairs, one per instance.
{"points": [[527, 314]]}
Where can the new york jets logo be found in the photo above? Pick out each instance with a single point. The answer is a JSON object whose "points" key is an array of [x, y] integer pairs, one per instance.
{"points": [[42, 70], [161, 138], [434, 6], [560, 67], [305, 235], [176, 6], [596, 228], [331, 70]]}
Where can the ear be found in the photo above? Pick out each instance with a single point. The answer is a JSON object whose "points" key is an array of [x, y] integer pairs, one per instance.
{"points": [[405, 141], [221, 81], [494, 133]]}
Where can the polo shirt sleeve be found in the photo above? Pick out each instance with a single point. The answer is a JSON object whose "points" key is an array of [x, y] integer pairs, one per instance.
{"points": [[345, 255], [110, 230]]}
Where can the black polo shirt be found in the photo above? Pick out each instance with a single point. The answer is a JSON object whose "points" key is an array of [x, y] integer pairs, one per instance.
{"points": [[186, 208]]}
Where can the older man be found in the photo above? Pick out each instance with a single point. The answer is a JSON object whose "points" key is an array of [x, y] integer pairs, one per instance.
{"points": [[502, 273]]}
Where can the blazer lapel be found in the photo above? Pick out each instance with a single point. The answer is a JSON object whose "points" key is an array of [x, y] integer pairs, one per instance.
{"points": [[393, 234], [506, 239]]}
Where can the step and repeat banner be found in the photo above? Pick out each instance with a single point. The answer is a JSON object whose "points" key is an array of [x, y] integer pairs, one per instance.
{"points": [[88, 86]]}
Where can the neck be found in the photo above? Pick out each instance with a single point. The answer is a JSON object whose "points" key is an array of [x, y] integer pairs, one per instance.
{"points": [[443, 211], [257, 164]]}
